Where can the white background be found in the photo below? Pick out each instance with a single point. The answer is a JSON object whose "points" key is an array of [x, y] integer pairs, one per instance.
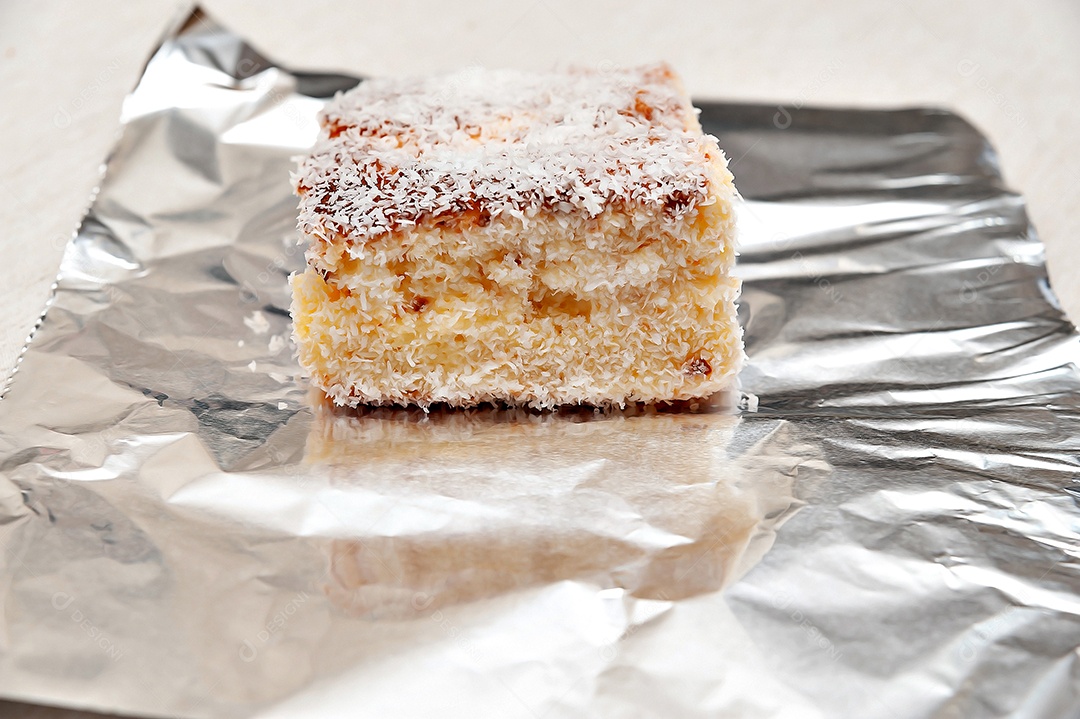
{"points": [[1011, 68]]}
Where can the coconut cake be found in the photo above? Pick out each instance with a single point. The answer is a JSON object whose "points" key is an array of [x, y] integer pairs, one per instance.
{"points": [[533, 239]]}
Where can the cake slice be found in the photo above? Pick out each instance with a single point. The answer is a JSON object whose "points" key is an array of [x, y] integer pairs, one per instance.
{"points": [[534, 239]]}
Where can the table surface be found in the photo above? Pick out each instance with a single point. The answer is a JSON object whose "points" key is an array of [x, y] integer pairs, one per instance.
{"points": [[1008, 68]]}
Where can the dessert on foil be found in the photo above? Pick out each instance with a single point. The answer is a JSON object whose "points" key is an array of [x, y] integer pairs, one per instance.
{"points": [[529, 239]]}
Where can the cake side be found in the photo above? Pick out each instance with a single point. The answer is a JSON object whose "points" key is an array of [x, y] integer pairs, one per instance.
{"points": [[523, 299]]}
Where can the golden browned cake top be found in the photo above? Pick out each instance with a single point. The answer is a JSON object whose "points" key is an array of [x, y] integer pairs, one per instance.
{"points": [[398, 152]]}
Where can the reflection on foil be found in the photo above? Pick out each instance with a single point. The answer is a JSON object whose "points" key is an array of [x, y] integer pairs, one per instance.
{"points": [[659, 505], [889, 529]]}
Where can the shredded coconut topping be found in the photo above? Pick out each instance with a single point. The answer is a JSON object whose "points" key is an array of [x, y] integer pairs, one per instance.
{"points": [[400, 152]]}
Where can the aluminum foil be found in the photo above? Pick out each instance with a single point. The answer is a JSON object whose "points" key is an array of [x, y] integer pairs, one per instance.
{"points": [[887, 528]]}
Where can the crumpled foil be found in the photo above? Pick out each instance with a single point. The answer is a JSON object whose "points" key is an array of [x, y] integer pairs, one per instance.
{"points": [[887, 528]]}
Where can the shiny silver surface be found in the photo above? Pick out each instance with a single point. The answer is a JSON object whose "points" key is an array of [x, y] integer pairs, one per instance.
{"points": [[889, 528]]}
